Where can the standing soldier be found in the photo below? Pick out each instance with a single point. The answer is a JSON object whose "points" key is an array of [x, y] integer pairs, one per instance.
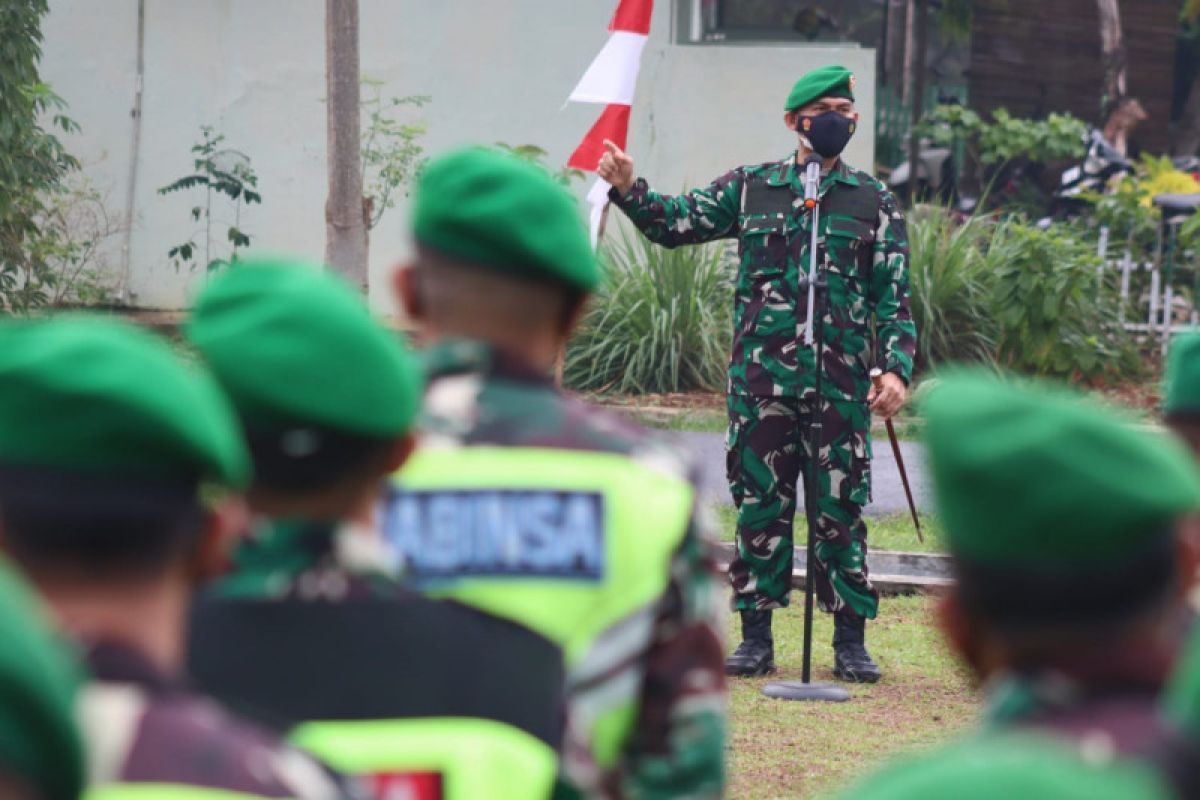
{"points": [[115, 460], [415, 696], [864, 251], [1068, 529], [526, 503], [41, 755]]}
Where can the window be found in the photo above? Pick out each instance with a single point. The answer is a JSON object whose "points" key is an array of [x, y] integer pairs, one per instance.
{"points": [[797, 21]]}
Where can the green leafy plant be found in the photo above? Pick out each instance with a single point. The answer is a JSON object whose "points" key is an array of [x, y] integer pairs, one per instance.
{"points": [[1004, 292], [1056, 309], [661, 322], [951, 284], [392, 154], [33, 161], [536, 155], [77, 225], [221, 173]]}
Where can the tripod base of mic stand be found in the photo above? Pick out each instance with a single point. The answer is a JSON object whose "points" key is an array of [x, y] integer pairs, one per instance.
{"points": [[796, 690]]}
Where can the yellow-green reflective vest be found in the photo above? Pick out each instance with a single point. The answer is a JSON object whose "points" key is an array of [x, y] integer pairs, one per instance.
{"points": [[473, 758], [643, 510]]}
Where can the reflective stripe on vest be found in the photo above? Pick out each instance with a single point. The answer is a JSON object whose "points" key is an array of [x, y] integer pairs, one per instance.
{"points": [[475, 758]]}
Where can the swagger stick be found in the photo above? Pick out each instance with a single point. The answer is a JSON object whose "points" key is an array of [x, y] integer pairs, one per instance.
{"points": [[877, 380]]}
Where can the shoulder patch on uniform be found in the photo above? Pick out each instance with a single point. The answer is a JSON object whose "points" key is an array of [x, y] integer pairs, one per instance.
{"points": [[496, 533]]}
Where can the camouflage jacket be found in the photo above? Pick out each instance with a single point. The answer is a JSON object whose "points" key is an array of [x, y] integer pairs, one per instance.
{"points": [[143, 727], [307, 560], [1117, 703], [666, 658], [863, 246]]}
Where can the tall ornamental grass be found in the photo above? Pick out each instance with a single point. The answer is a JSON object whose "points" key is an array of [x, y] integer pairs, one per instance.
{"points": [[951, 281], [661, 322], [1011, 294]]}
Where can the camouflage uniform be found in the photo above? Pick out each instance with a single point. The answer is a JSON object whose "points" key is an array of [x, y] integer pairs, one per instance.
{"points": [[864, 252], [143, 728], [666, 658]]}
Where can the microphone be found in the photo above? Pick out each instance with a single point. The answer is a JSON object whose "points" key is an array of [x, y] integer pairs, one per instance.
{"points": [[812, 180]]}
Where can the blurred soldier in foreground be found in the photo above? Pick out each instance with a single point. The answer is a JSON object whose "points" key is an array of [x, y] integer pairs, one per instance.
{"points": [[1010, 767], [114, 462], [421, 699], [1181, 401], [1066, 524], [41, 755], [526, 503], [863, 249]]}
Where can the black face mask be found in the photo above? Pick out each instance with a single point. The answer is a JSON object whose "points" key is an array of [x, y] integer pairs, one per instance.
{"points": [[828, 133]]}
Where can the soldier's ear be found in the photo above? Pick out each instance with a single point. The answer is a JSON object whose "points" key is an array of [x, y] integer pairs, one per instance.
{"points": [[790, 118], [1187, 558], [400, 452], [224, 524], [408, 290], [573, 312], [961, 634]]}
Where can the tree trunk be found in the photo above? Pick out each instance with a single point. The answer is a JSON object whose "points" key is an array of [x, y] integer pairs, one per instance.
{"points": [[1187, 136], [345, 227], [1112, 53], [910, 7], [917, 98]]}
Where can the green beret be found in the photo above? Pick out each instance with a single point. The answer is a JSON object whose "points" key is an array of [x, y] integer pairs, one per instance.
{"points": [[98, 395], [1029, 475], [499, 211], [39, 740], [294, 344], [1183, 375], [1005, 766], [831, 81]]}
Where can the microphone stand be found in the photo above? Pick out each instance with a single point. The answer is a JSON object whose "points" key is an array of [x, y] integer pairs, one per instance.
{"points": [[814, 336]]}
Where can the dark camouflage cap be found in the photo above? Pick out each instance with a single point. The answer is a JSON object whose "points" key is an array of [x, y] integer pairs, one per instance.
{"points": [[39, 741], [102, 396], [501, 212], [830, 81], [1031, 475], [293, 344], [1182, 383]]}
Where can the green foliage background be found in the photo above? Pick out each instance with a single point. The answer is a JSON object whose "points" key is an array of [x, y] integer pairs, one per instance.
{"points": [[33, 162], [661, 322]]}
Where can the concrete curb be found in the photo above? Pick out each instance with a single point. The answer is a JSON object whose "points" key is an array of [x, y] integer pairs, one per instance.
{"points": [[892, 571]]}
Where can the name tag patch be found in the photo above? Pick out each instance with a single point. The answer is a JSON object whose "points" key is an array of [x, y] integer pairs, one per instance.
{"points": [[497, 532]]}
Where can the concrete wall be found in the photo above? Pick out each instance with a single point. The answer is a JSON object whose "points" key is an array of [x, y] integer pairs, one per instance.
{"points": [[497, 71]]}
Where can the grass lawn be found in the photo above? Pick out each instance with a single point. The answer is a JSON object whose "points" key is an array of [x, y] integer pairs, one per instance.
{"points": [[781, 749], [886, 532]]}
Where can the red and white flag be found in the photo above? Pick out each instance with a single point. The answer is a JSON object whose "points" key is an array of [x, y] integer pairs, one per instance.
{"points": [[611, 80]]}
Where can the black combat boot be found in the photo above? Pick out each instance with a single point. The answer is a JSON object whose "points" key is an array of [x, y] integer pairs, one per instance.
{"points": [[756, 654], [851, 661]]}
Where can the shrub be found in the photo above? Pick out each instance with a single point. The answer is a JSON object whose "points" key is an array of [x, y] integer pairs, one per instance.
{"points": [[1008, 293], [661, 322], [951, 284], [1056, 308]]}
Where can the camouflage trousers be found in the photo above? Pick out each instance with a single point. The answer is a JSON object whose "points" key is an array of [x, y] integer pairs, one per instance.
{"points": [[766, 455]]}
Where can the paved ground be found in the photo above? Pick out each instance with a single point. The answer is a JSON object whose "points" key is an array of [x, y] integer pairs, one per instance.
{"points": [[888, 492]]}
